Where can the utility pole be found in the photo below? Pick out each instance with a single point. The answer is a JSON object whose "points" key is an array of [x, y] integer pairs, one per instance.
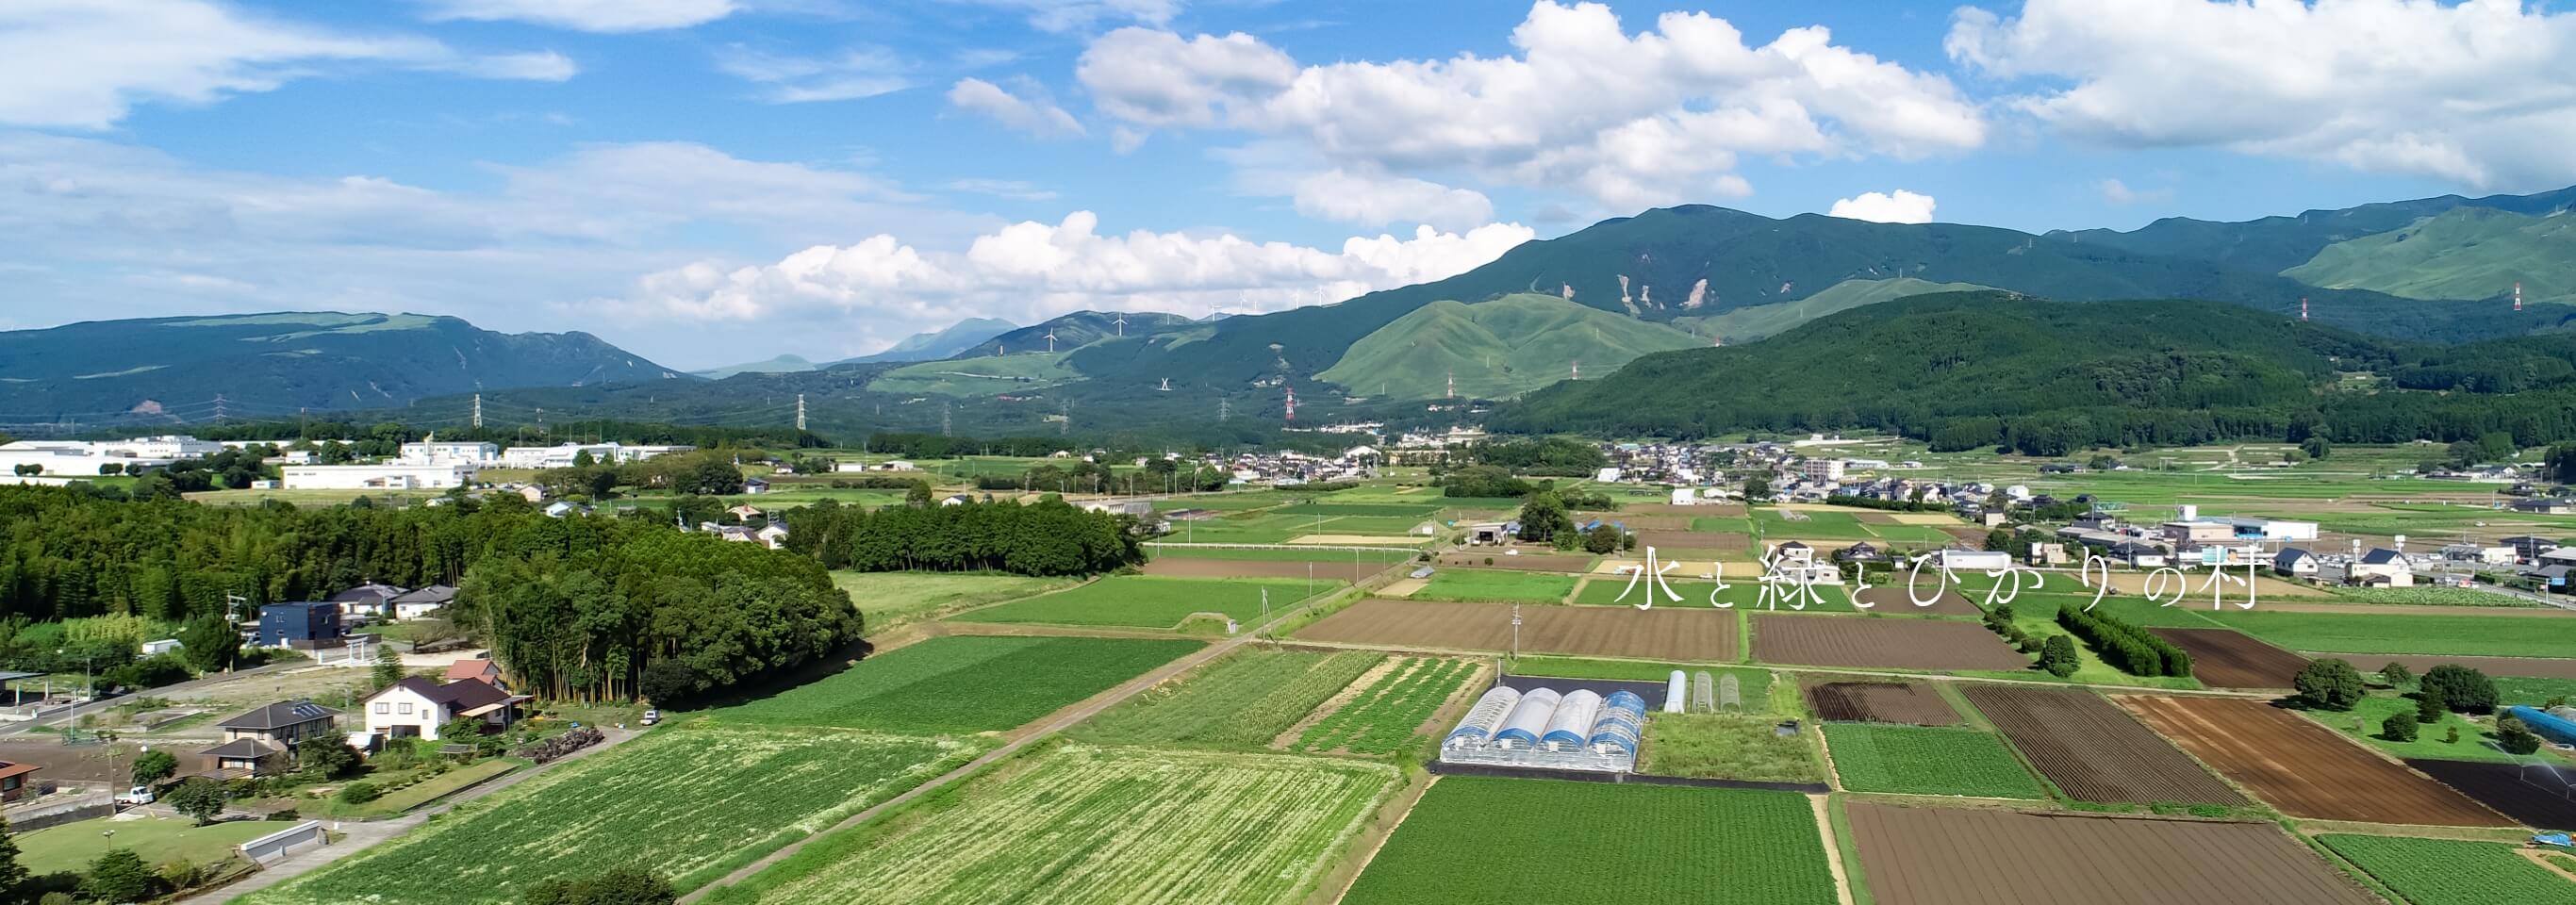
{"points": [[1516, 633], [478, 411], [800, 413]]}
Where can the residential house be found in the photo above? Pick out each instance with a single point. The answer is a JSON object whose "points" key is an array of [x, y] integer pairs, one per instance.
{"points": [[416, 707], [2295, 562], [16, 780], [262, 741], [955, 499], [2382, 567], [424, 602], [773, 536], [745, 512], [2529, 547], [2546, 505], [2137, 555], [754, 485], [480, 669], [1860, 552], [2552, 578], [562, 508], [366, 601], [303, 626]]}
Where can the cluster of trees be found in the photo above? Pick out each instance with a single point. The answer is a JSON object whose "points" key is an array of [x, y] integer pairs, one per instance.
{"points": [[2123, 644], [385, 438], [2056, 652], [1496, 481], [1045, 538], [709, 472], [936, 446], [1543, 456]]}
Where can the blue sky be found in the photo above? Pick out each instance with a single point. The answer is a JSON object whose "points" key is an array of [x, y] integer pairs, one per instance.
{"points": [[707, 181]]}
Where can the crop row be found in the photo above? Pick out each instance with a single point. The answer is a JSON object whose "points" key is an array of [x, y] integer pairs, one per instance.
{"points": [[1244, 700], [2451, 872], [686, 801], [1386, 716], [1927, 760], [962, 684], [1151, 601], [1085, 826]]}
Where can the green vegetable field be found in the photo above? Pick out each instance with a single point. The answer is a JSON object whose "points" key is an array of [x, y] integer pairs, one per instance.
{"points": [[1147, 601], [692, 803], [1244, 700], [1578, 843], [1089, 826], [1385, 716], [1496, 585], [2450, 872], [1726, 746], [1926, 760], [2487, 636], [961, 684]]}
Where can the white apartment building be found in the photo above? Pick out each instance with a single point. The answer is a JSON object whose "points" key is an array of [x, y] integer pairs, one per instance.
{"points": [[436, 452], [393, 476], [563, 456]]}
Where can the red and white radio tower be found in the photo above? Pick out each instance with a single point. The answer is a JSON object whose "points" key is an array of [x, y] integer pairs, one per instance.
{"points": [[1292, 404], [2303, 308], [2517, 295]]}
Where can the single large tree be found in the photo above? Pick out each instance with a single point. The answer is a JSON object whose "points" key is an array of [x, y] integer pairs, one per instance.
{"points": [[2460, 688], [154, 766], [209, 643], [388, 669], [2329, 684], [197, 797], [325, 757], [119, 875]]}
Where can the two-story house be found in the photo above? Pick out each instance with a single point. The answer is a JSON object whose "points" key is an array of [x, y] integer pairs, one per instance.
{"points": [[416, 707], [262, 741]]}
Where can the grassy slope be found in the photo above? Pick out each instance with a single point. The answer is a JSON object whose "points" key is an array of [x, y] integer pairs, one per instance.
{"points": [[2463, 254], [978, 376], [1756, 322], [1498, 348]]}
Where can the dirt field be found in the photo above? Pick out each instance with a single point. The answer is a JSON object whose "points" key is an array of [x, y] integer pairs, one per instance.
{"points": [[1534, 562], [1728, 545], [1935, 519], [1950, 856], [2094, 751], [2302, 768], [2537, 797], [1881, 702], [1888, 643], [1884, 599], [1636, 522], [2225, 658], [1258, 568], [2527, 667], [1677, 634]]}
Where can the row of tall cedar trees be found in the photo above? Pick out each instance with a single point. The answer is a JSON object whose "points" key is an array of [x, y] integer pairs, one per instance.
{"points": [[574, 608], [1044, 538]]}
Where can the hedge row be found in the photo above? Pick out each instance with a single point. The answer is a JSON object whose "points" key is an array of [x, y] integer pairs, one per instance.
{"points": [[2125, 646]]}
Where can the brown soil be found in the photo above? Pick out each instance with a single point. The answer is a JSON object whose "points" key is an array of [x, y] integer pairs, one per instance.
{"points": [[1885, 599], [1881, 702], [1697, 544], [2094, 751], [1258, 568], [1953, 856], [1679, 634], [2304, 769], [1533, 562], [2526, 667], [1888, 643], [2225, 658], [2537, 795]]}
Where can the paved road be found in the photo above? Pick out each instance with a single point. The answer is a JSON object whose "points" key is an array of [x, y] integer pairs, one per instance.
{"points": [[102, 705], [361, 835]]}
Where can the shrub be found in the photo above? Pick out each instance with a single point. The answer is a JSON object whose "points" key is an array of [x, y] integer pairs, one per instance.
{"points": [[2396, 675], [2398, 727], [360, 792], [2515, 737], [2058, 656], [2329, 684], [2452, 737], [2125, 646], [2461, 688], [2428, 708], [118, 876]]}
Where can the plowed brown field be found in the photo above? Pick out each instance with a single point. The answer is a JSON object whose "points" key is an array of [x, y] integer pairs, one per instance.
{"points": [[1534, 562], [1952, 856], [2094, 751], [1881, 702], [1888, 643], [2302, 768], [1680, 634], [2226, 658]]}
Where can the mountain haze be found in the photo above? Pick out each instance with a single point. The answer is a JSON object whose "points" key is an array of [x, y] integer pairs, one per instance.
{"points": [[941, 343]]}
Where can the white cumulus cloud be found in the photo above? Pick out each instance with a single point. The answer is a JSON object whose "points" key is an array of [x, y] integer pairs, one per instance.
{"points": [[588, 15], [2474, 92], [1655, 117], [1879, 207], [1374, 201], [1035, 114]]}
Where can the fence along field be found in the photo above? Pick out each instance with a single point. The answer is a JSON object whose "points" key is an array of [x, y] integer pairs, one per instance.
{"points": [[2092, 750], [1096, 826], [2451, 872], [690, 802], [1474, 838], [1244, 700], [1389, 713], [962, 684], [1960, 856]]}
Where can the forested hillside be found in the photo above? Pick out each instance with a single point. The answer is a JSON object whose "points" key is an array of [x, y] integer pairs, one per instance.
{"points": [[2274, 244], [2466, 253], [1494, 349]]}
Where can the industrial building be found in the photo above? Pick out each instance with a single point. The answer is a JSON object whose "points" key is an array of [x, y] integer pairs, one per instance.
{"points": [[396, 476], [84, 458], [439, 452], [601, 453]]}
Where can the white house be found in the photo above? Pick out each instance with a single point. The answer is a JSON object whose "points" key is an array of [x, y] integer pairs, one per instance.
{"points": [[378, 477], [415, 707], [2295, 562], [1682, 496], [424, 602], [774, 536]]}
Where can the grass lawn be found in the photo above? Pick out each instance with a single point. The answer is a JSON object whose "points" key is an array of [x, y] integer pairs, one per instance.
{"points": [[2372, 633], [414, 795], [2429, 740], [1476, 838], [889, 599], [70, 848], [1727, 746], [1818, 525], [961, 684], [1754, 684], [1730, 524], [2089, 668], [2452, 872], [2524, 690], [1927, 760], [1505, 586], [1386, 510], [1147, 601], [1243, 700]]}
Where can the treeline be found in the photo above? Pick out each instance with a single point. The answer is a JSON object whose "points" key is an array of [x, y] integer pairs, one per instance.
{"points": [[385, 438], [1557, 456], [1045, 538], [2124, 645], [630, 591], [1493, 481], [935, 446], [1871, 502]]}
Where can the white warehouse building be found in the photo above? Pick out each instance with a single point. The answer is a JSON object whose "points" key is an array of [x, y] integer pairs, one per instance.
{"points": [[600, 453], [434, 451], [396, 476], [77, 458]]}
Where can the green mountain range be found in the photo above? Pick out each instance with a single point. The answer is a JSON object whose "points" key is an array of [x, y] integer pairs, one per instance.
{"points": [[955, 339], [1754, 323], [784, 364], [2274, 244], [2467, 252], [1494, 349], [273, 365]]}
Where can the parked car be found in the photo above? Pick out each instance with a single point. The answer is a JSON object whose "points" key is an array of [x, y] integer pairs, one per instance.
{"points": [[652, 717], [137, 795]]}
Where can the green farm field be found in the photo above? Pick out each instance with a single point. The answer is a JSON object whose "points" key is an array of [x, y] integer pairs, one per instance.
{"points": [[1743, 591], [1090, 826], [978, 376], [1497, 585], [1384, 717], [1243, 700], [1146, 601], [1581, 843], [1727, 745], [2378, 633], [1927, 760], [1754, 684], [2452, 872], [961, 684], [1280, 554], [890, 599], [747, 792]]}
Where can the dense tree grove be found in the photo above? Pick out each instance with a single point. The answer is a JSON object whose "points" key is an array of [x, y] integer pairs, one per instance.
{"points": [[574, 607], [1545, 456], [386, 438], [935, 446], [1046, 538]]}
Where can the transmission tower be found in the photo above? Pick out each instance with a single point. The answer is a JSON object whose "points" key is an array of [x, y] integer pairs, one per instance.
{"points": [[1221, 408], [800, 413], [1063, 418], [943, 417], [219, 406], [478, 411], [1292, 405]]}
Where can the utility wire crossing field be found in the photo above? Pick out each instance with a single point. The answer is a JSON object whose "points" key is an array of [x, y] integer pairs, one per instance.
{"points": [[690, 803], [961, 684], [1241, 701], [1474, 838], [1152, 602], [1091, 826]]}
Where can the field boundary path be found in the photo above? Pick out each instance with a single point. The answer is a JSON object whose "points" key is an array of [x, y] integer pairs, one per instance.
{"points": [[360, 835], [1059, 721]]}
